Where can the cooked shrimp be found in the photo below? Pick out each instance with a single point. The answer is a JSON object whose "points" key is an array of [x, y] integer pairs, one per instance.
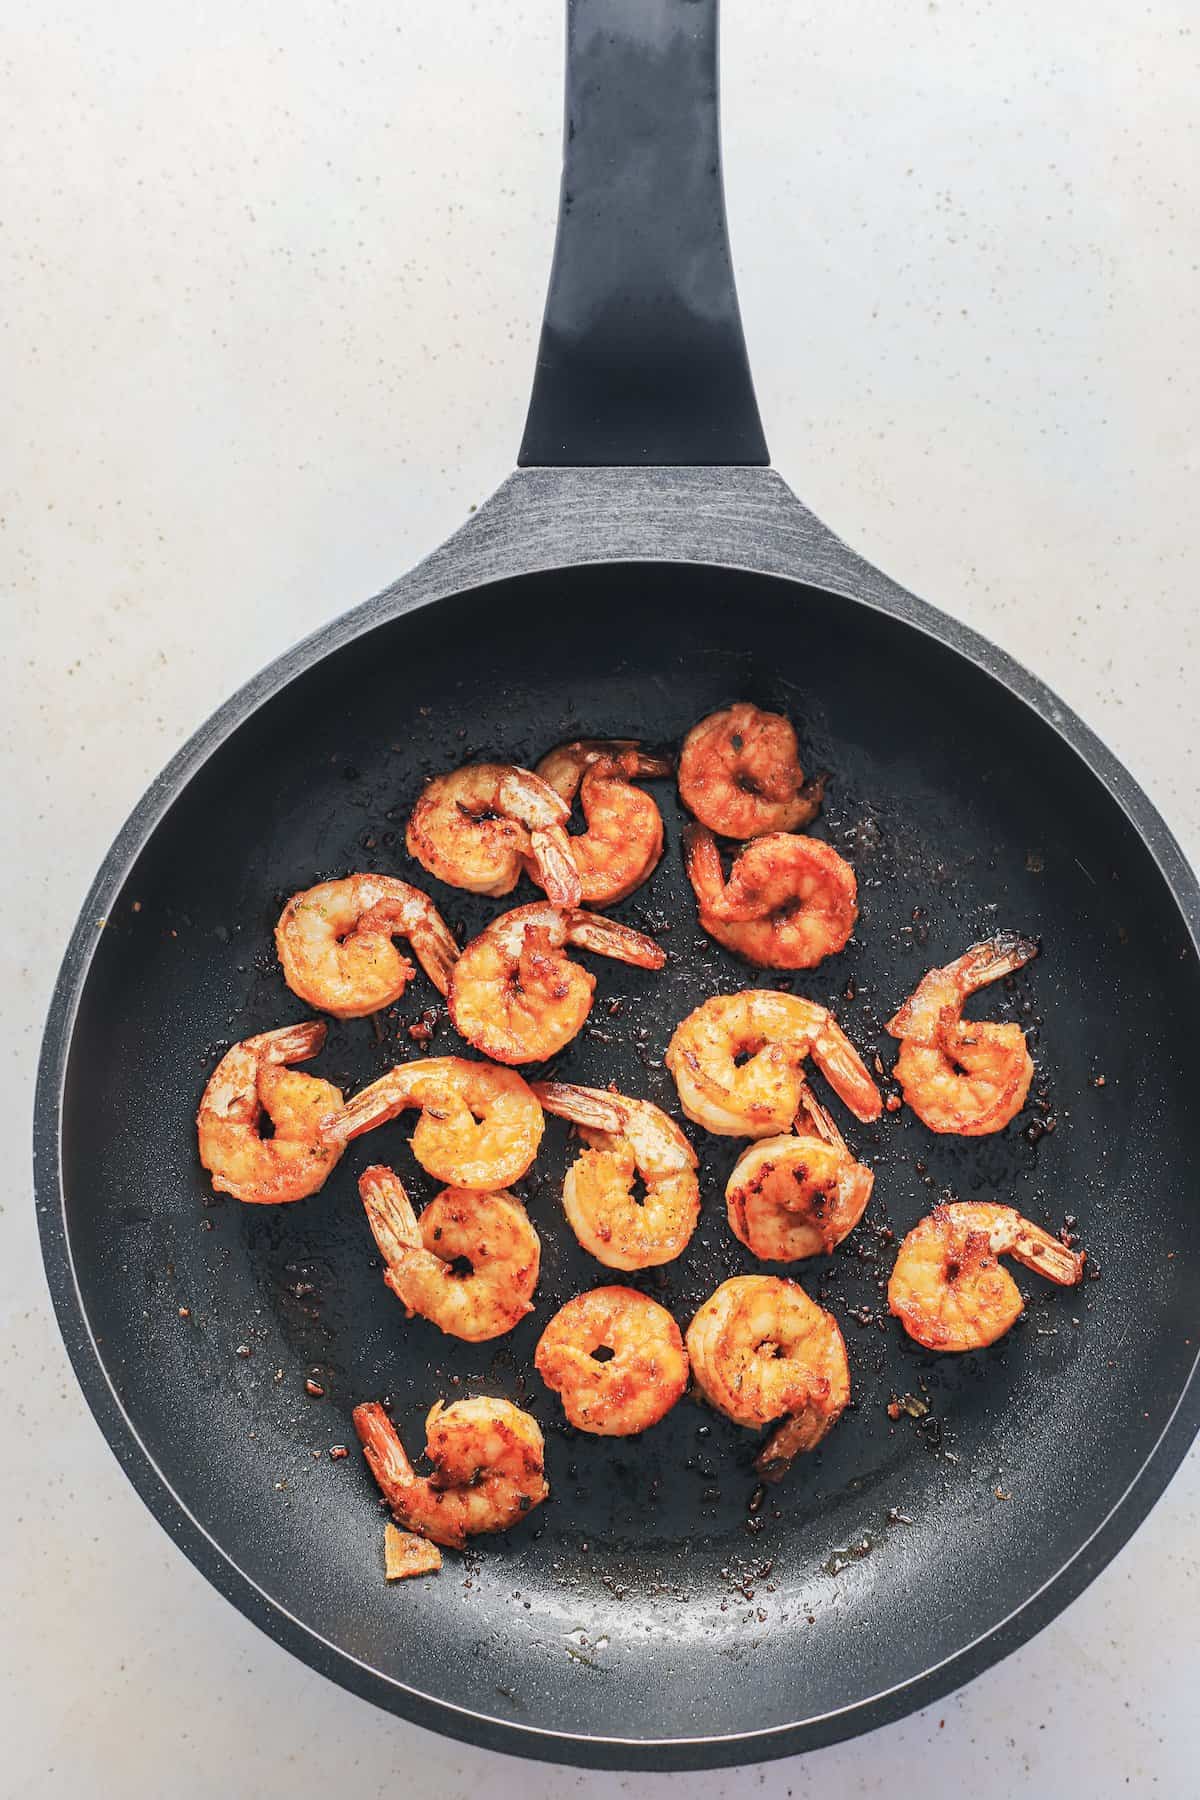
{"points": [[740, 774], [490, 1233], [335, 943], [761, 1096], [947, 1288], [489, 1468], [252, 1079], [962, 1075], [480, 1126], [624, 836], [789, 902], [761, 1350], [517, 997], [636, 1384], [791, 1197], [625, 1139], [479, 826]]}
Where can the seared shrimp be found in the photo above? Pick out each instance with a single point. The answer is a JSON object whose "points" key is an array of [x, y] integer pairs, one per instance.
{"points": [[335, 943], [761, 1096], [254, 1078], [947, 1288], [489, 1468], [791, 1197], [789, 901], [490, 1233], [625, 1139], [641, 1378], [517, 997], [740, 774], [624, 836], [761, 1350], [479, 826], [962, 1075], [480, 1126]]}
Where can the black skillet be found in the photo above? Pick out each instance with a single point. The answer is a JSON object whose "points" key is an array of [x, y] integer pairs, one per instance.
{"points": [[641, 568]]}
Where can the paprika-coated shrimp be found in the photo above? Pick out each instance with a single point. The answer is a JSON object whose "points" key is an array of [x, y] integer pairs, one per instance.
{"points": [[964, 1075], [250, 1079], [775, 1032], [491, 1233], [480, 1126], [797, 1196], [947, 1288], [643, 1376], [479, 826], [624, 837], [762, 1351], [335, 943], [517, 997], [625, 1139], [740, 774], [789, 902], [489, 1468]]}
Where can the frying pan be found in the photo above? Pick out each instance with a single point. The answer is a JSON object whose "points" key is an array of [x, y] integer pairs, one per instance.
{"points": [[642, 567]]}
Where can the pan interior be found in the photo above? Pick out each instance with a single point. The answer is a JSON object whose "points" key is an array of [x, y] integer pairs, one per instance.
{"points": [[661, 1592]]}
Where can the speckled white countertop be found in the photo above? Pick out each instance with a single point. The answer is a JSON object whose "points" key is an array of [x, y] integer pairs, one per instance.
{"points": [[271, 282]]}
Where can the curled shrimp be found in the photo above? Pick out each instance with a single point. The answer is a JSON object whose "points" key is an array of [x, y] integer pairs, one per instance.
{"points": [[963, 1075], [762, 1351], [789, 902], [625, 1139], [488, 1468], [760, 1096], [624, 836], [517, 997], [947, 1288], [740, 774], [255, 1078], [636, 1384], [480, 1126], [490, 1233], [791, 1197], [479, 826], [335, 943]]}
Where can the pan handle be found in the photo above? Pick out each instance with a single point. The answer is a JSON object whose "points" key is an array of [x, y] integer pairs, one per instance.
{"points": [[642, 358]]}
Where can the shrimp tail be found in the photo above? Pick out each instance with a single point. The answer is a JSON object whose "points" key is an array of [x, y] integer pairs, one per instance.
{"points": [[389, 1213], [437, 949], [703, 862], [846, 1072], [645, 765], [994, 957], [606, 937], [1037, 1250], [554, 862], [290, 1044], [375, 1105], [821, 1120], [590, 1107], [384, 1452]]}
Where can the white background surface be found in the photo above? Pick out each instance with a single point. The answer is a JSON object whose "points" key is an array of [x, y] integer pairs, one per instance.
{"points": [[271, 281]]}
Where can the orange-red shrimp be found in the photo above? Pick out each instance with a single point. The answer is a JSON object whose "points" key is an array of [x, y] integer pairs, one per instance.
{"points": [[740, 774], [518, 997], [947, 1287], [252, 1079], [789, 902], [624, 837], [488, 1468], [335, 943], [479, 826], [964, 1075]]}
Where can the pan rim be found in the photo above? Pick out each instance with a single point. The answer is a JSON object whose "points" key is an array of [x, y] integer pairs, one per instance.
{"points": [[219, 1566]]}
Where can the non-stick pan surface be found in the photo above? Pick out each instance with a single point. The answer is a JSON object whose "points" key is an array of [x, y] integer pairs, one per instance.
{"points": [[661, 1594]]}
